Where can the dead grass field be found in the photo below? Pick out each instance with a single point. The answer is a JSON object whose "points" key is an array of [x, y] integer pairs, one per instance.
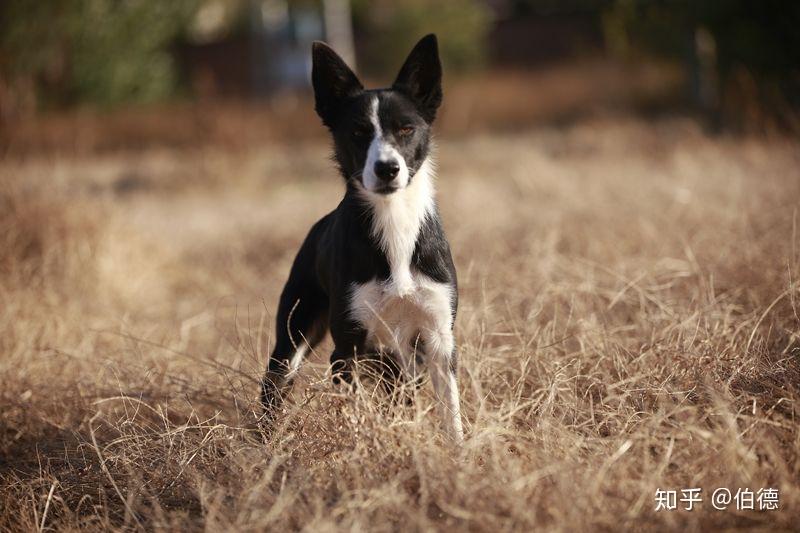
{"points": [[628, 322]]}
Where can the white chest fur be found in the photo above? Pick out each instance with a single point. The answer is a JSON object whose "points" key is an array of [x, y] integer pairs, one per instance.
{"points": [[420, 317]]}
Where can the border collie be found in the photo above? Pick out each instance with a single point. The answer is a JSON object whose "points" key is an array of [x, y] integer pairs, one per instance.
{"points": [[377, 271]]}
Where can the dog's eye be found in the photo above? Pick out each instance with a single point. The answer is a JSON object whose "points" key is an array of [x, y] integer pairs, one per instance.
{"points": [[360, 133], [405, 131]]}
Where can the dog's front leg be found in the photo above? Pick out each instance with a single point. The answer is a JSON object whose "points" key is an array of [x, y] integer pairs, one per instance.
{"points": [[348, 340], [442, 366], [342, 366]]}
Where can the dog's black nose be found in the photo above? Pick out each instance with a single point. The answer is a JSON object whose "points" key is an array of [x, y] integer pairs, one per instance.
{"points": [[386, 170]]}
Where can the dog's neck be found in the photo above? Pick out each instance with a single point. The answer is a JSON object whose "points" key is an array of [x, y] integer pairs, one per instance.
{"points": [[396, 222]]}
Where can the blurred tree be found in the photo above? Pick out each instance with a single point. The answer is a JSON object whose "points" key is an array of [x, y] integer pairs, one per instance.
{"points": [[104, 51], [535, 32], [544, 7], [747, 51], [389, 29]]}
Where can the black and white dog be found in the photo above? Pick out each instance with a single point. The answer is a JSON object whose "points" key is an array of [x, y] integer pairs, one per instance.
{"points": [[377, 271]]}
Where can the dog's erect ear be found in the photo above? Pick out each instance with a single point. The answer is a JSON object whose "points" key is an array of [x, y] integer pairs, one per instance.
{"points": [[421, 77], [333, 81]]}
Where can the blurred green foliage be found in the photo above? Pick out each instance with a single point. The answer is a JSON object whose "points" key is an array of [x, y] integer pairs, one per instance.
{"points": [[391, 28], [102, 51]]}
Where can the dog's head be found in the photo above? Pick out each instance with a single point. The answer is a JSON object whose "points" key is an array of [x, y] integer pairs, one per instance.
{"points": [[381, 137]]}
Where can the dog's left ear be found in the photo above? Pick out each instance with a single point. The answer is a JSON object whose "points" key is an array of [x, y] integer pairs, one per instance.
{"points": [[420, 78]]}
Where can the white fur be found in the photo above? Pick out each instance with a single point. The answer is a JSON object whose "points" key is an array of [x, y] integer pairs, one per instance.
{"points": [[446, 389], [380, 150], [393, 321], [297, 359]]}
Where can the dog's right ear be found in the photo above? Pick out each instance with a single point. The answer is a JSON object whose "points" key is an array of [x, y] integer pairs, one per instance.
{"points": [[333, 81]]}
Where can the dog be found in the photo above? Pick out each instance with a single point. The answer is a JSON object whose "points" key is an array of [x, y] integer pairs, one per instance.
{"points": [[377, 271]]}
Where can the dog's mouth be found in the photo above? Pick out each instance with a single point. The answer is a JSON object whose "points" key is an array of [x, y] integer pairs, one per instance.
{"points": [[386, 189]]}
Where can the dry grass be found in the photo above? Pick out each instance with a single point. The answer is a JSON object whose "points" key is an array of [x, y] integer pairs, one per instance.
{"points": [[628, 322]]}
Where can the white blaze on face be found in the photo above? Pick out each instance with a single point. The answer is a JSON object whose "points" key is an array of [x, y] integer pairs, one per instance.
{"points": [[381, 150]]}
